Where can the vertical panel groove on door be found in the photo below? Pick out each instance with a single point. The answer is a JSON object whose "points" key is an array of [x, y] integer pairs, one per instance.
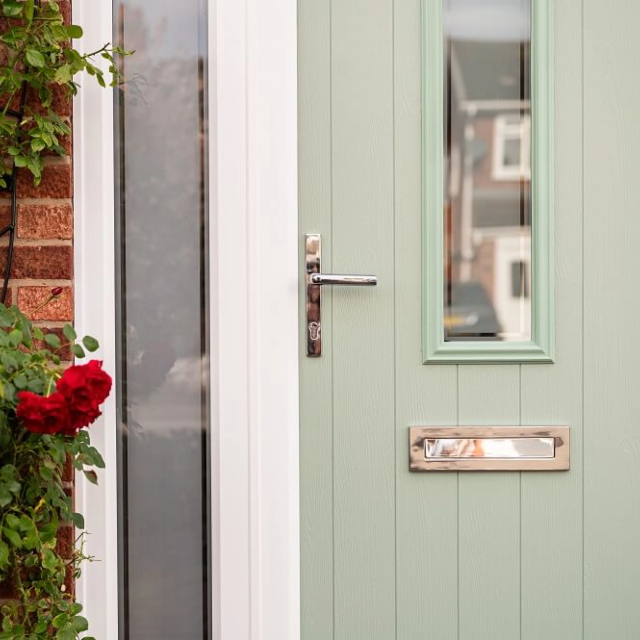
{"points": [[427, 508], [363, 338], [316, 438], [551, 505], [611, 303], [489, 514]]}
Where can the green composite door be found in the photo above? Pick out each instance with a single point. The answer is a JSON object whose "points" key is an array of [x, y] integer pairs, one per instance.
{"points": [[389, 555]]}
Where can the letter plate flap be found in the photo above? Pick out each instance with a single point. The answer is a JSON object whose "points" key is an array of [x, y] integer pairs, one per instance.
{"points": [[489, 448]]}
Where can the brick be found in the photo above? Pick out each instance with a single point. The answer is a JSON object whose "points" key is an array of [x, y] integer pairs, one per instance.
{"points": [[65, 9], [56, 182], [7, 590], [59, 310], [60, 103], [45, 221], [64, 543], [5, 215], [69, 582], [48, 262], [69, 472]]}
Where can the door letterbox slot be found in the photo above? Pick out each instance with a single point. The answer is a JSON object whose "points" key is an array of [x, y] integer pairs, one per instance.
{"points": [[489, 448]]}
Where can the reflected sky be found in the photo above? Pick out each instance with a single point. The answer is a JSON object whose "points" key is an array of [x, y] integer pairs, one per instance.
{"points": [[172, 31], [494, 20]]}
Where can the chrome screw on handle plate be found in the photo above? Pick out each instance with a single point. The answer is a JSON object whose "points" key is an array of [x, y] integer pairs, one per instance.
{"points": [[315, 280]]}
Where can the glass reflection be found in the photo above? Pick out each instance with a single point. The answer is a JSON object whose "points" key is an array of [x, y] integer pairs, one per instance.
{"points": [[163, 395], [443, 448], [487, 170]]}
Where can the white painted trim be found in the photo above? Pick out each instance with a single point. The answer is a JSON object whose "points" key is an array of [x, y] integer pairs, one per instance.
{"points": [[255, 278], [254, 335], [95, 313]]}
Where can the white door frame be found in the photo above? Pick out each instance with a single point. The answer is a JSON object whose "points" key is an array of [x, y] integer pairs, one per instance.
{"points": [[254, 327]]}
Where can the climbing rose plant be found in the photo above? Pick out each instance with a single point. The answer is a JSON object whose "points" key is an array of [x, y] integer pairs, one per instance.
{"points": [[36, 53], [45, 409]]}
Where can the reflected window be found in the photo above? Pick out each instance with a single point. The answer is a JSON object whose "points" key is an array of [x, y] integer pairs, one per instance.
{"points": [[512, 148], [487, 148]]}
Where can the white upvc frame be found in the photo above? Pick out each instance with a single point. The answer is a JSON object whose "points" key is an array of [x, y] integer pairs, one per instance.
{"points": [[254, 326]]}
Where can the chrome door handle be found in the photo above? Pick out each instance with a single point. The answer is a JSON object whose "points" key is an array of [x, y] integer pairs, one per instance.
{"points": [[344, 281], [315, 280]]}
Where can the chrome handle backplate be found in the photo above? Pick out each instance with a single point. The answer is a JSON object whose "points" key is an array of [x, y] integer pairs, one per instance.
{"points": [[314, 281]]}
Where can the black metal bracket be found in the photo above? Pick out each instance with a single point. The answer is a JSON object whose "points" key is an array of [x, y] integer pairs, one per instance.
{"points": [[12, 188]]}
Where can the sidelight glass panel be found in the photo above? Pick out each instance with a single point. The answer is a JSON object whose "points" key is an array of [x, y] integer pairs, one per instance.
{"points": [[487, 148], [161, 150]]}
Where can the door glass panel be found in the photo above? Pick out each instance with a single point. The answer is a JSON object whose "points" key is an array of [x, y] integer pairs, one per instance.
{"points": [[487, 170], [161, 150]]}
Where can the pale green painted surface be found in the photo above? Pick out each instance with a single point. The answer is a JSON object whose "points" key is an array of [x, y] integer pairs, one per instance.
{"points": [[387, 555], [541, 347]]}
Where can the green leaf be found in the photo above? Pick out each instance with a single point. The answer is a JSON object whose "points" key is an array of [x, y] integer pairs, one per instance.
{"points": [[46, 474], [37, 333], [37, 145], [69, 332], [8, 360], [80, 624], [20, 381], [12, 521], [96, 458], [31, 539], [36, 385], [52, 340], [28, 10], [75, 31], [4, 555], [21, 161], [5, 496], [67, 633], [15, 337], [90, 343], [49, 560], [6, 319], [78, 520], [11, 8], [35, 58], [78, 351], [63, 74], [12, 536], [60, 620], [91, 476]]}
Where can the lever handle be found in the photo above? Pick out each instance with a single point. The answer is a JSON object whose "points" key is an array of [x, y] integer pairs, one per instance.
{"points": [[315, 280], [343, 280]]}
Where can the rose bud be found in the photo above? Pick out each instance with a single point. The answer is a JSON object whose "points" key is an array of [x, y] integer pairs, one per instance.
{"points": [[56, 291]]}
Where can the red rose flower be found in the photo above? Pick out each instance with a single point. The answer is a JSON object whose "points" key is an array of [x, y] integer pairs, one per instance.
{"points": [[85, 388], [44, 415]]}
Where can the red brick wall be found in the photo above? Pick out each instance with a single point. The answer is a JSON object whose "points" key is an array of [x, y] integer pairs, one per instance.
{"points": [[43, 254]]}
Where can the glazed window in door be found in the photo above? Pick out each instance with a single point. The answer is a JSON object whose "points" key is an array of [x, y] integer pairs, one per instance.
{"points": [[487, 181]]}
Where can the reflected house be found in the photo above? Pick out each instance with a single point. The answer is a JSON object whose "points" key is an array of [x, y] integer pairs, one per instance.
{"points": [[488, 177]]}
